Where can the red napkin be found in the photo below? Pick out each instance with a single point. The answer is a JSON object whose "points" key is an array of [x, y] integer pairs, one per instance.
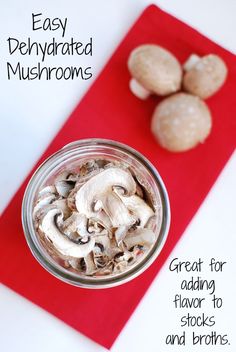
{"points": [[109, 110]]}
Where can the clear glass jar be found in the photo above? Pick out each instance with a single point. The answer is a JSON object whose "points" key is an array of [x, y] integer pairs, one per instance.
{"points": [[67, 158]]}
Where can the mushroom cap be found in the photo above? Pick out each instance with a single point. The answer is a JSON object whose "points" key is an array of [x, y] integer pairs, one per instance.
{"points": [[180, 122], [156, 69], [206, 76]]}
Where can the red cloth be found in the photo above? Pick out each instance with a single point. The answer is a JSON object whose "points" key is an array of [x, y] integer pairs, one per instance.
{"points": [[109, 110]]}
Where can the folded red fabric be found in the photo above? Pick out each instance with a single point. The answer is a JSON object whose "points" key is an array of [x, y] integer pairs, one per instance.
{"points": [[109, 110]]}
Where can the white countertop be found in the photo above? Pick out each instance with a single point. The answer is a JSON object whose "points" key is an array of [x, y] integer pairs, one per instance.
{"points": [[31, 113]]}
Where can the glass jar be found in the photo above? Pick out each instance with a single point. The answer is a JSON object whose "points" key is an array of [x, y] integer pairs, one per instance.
{"points": [[67, 158]]}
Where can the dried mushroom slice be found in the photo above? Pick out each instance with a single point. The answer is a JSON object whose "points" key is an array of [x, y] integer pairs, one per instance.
{"points": [[61, 242], [100, 189], [139, 208], [140, 237]]}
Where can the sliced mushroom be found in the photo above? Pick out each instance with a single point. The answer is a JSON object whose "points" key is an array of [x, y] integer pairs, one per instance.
{"points": [[140, 237], [139, 208], [116, 210], [100, 188], [154, 70], [204, 76], [61, 242], [181, 121]]}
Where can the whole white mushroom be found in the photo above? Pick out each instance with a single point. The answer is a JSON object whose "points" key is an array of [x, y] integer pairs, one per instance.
{"points": [[180, 122], [205, 75], [154, 70]]}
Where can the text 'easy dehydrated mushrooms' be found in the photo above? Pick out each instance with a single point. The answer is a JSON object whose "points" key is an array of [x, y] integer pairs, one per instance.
{"points": [[154, 70]]}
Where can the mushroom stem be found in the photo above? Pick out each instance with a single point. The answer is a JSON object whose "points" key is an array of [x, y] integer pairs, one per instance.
{"points": [[138, 90], [191, 62]]}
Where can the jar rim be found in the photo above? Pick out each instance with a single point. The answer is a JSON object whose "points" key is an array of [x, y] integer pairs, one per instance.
{"points": [[30, 233]]}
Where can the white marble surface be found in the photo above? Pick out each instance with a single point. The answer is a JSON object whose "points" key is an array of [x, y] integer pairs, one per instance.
{"points": [[32, 112]]}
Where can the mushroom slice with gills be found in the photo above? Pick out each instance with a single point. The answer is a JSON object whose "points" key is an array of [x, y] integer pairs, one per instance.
{"points": [[139, 208], [101, 185], [59, 204], [144, 237], [60, 241]]}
